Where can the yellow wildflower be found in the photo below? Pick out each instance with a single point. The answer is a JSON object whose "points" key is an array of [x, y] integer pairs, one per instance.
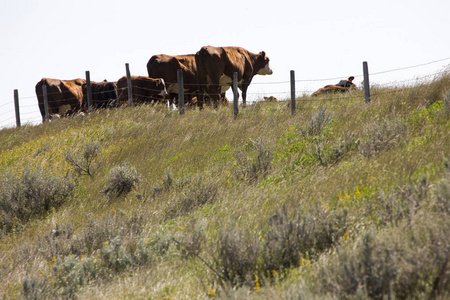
{"points": [[346, 234], [341, 198], [257, 287]]}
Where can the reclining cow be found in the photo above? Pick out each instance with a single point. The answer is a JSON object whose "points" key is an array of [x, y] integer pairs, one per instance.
{"points": [[341, 86]]}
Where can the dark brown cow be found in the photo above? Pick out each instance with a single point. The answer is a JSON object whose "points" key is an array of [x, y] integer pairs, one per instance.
{"points": [[104, 94], [342, 86], [216, 66], [64, 96], [144, 89], [270, 99], [166, 67]]}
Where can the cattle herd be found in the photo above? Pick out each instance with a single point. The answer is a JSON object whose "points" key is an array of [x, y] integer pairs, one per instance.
{"points": [[207, 75]]}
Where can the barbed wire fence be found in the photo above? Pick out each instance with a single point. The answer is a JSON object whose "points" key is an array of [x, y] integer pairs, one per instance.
{"points": [[287, 91]]}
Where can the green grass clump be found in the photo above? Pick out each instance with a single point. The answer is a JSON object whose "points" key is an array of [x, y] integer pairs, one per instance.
{"points": [[341, 200]]}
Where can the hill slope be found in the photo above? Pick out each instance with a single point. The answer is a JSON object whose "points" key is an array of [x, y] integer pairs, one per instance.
{"points": [[342, 199]]}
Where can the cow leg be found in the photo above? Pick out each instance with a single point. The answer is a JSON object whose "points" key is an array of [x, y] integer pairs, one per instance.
{"points": [[201, 98], [214, 93], [223, 99]]}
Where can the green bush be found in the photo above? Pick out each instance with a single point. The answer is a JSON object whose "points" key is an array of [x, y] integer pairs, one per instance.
{"points": [[31, 194]]}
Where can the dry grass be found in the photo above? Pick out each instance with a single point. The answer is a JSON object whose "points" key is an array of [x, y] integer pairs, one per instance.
{"points": [[341, 200]]}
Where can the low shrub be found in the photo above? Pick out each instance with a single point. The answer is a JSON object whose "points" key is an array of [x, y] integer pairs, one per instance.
{"points": [[121, 181], [190, 244], [35, 288], [31, 194], [442, 199], [318, 123], [254, 161], [405, 262], [381, 136], [446, 102], [300, 234], [236, 258], [83, 163], [71, 272], [63, 239], [196, 192], [398, 205], [331, 154]]}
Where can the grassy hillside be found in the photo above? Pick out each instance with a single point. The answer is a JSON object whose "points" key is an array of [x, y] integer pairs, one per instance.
{"points": [[341, 200]]}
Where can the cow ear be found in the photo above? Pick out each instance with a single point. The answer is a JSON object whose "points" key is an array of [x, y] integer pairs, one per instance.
{"points": [[263, 54]]}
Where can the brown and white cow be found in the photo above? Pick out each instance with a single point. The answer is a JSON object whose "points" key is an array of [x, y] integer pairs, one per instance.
{"points": [[216, 66], [144, 89], [64, 96], [342, 86], [166, 67]]}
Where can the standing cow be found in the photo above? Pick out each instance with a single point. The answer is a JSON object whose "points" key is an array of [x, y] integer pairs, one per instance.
{"points": [[166, 67], [64, 96], [216, 66], [144, 89], [104, 94]]}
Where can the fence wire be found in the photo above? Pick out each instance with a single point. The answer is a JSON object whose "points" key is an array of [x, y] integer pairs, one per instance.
{"points": [[302, 93]]}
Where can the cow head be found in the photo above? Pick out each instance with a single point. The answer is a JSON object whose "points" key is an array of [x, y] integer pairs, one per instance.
{"points": [[263, 61], [159, 82]]}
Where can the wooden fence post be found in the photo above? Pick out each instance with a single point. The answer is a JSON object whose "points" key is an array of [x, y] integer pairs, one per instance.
{"points": [[180, 91], [44, 93], [292, 92], [16, 106], [89, 91], [366, 82], [235, 94], [130, 93]]}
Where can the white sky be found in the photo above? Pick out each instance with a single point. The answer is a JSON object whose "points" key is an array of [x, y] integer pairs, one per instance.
{"points": [[318, 39]]}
